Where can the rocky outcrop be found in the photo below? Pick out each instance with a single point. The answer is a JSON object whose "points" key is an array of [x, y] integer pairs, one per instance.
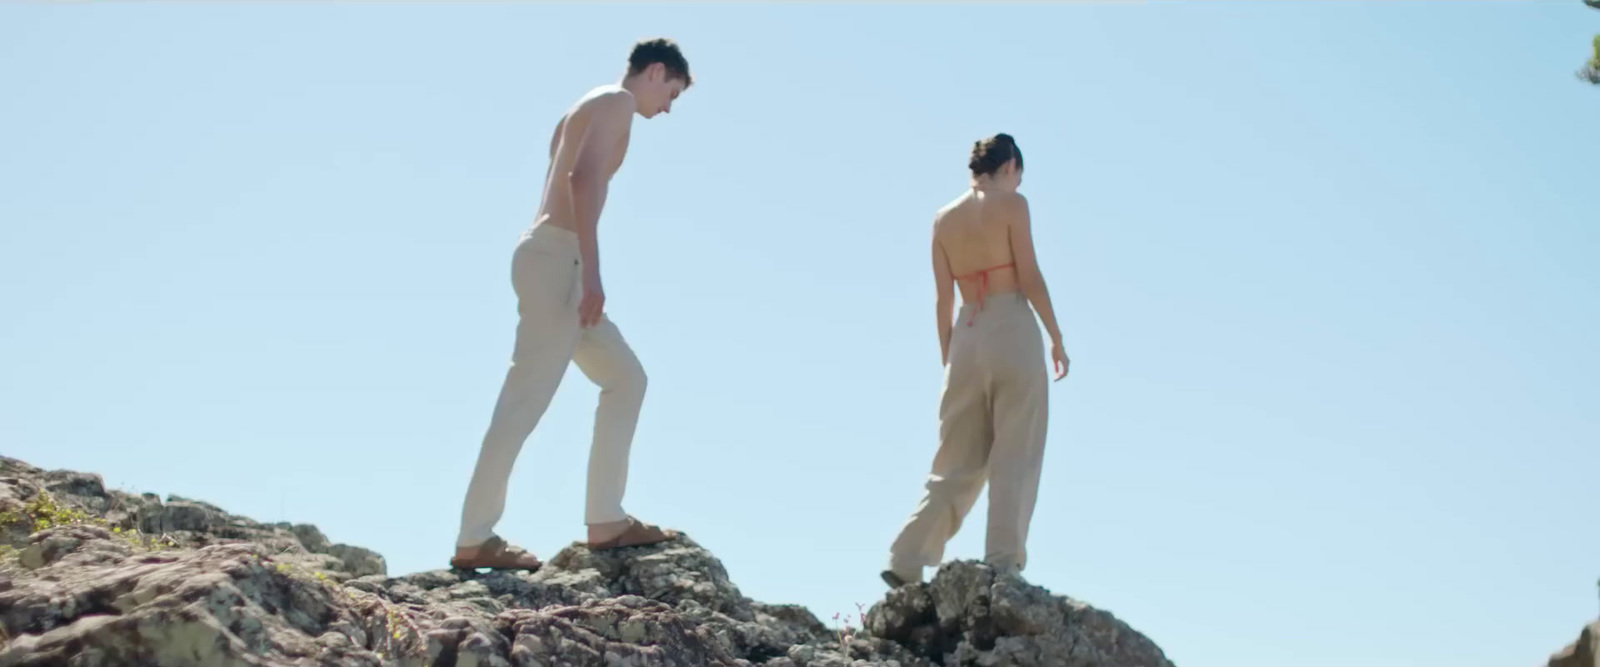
{"points": [[176, 523], [1582, 653], [197, 586], [971, 615]]}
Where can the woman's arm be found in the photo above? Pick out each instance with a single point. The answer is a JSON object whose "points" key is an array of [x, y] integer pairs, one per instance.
{"points": [[945, 301], [1030, 279]]}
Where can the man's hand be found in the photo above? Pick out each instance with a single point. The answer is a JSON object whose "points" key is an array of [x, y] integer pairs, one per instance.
{"points": [[611, 116], [1059, 356], [593, 306]]}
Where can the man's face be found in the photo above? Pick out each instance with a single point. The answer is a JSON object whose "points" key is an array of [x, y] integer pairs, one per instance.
{"points": [[658, 92]]}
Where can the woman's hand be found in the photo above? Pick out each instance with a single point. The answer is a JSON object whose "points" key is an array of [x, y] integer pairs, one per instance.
{"points": [[1059, 356]]}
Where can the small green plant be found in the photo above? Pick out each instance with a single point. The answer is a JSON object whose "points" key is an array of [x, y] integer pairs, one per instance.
{"points": [[43, 513], [1591, 70], [397, 620], [160, 542], [10, 561], [401, 627]]}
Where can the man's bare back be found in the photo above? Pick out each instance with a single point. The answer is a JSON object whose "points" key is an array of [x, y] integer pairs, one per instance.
{"points": [[565, 144]]}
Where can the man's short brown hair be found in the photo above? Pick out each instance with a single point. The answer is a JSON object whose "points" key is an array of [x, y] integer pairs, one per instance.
{"points": [[664, 51]]}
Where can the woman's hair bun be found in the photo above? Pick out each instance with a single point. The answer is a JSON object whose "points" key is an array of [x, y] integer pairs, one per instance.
{"points": [[989, 155]]}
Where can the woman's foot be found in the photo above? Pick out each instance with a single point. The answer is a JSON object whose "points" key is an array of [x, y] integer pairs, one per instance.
{"points": [[897, 580], [897, 577], [629, 532], [494, 553]]}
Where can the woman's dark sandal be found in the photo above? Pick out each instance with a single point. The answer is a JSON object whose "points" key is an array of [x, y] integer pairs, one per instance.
{"points": [[496, 554], [894, 580], [637, 534]]}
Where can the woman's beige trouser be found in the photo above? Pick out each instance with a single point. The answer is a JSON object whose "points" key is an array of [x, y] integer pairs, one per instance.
{"points": [[992, 422]]}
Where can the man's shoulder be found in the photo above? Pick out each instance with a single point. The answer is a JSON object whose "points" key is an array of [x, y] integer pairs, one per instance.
{"points": [[608, 97]]}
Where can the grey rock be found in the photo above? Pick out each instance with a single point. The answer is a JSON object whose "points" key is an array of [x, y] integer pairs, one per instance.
{"points": [[1583, 653], [181, 521], [358, 561], [85, 485], [310, 537], [219, 589], [188, 516], [674, 571], [969, 615]]}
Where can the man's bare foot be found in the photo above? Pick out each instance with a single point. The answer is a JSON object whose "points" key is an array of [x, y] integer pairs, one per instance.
{"points": [[629, 532], [494, 553]]}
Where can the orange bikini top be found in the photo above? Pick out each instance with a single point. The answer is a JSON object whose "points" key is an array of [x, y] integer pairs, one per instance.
{"points": [[983, 287]]}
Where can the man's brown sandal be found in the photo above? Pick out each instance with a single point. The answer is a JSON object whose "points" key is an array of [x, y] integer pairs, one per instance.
{"points": [[495, 553], [638, 533]]}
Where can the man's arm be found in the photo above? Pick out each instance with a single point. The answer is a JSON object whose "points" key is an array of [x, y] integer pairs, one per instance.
{"points": [[609, 122], [945, 301]]}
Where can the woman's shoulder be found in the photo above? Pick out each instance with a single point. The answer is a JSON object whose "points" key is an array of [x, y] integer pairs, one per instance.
{"points": [[955, 204], [1007, 199], [996, 205]]}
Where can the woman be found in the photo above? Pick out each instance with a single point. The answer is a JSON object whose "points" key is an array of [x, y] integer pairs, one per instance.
{"points": [[993, 413]]}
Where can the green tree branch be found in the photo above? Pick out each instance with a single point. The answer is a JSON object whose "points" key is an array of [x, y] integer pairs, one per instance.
{"points": [[1591, 69]]}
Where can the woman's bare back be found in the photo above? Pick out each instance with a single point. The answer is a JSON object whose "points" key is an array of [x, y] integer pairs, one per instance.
{"points": [[974, 231]]}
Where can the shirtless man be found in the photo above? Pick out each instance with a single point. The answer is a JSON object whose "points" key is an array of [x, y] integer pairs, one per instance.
{"points": [[561, 306]]}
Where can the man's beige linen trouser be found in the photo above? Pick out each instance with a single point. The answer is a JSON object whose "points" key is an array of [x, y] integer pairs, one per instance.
{"points": [[547, 275]]}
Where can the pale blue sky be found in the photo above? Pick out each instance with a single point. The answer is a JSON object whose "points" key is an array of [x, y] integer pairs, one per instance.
{"points": [[1323, 269]]}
